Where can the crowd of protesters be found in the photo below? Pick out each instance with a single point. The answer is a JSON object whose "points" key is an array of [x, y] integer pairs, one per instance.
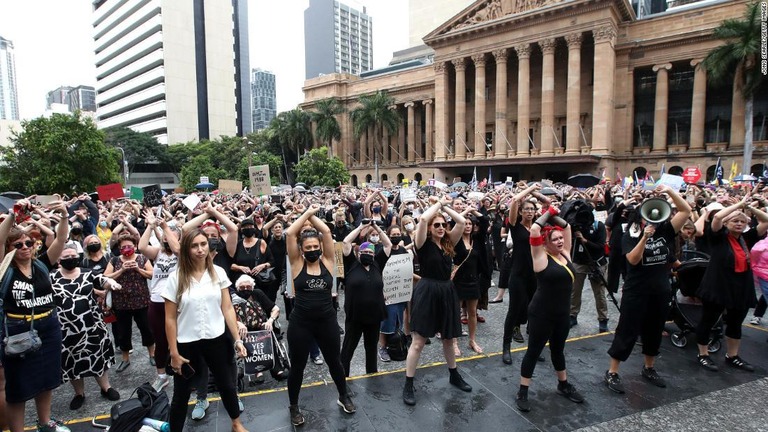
{"points": [[79, 267]]}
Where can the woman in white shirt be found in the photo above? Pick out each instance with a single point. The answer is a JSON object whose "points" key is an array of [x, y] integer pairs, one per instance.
{"points": [[202, 328]]}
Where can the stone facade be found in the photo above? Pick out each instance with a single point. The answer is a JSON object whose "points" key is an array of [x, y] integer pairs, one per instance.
{"points": [[550, 88]]}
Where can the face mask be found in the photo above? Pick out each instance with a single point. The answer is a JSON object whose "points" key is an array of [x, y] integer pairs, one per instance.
{"points": [[377, 210], [127, 250], [340, 223], [69, 263], [213, 244], [93, 248], [103, 224], [249, 232], [313, 256], [76, 231], [366, 259], [409, 207], [244, 294], [373, 239], [395, 239]]}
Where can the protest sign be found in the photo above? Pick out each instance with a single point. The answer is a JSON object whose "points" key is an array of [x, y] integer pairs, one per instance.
{"points": [[407, 195], [230, 186], [44, 200], [398, 279], [260, 183], [137, 193], [673, 181], [153, 195], [337, 250], [260, 351], [110, 191], [191, 202]]}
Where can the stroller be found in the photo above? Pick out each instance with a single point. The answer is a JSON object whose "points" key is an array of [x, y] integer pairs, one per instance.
{"points": [[686, 308]]}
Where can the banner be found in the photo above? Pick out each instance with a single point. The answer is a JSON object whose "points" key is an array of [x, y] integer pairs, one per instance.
{"points": [[339, 252], [110, 191], [261, 352], [260, 183], [153, 195], [230, 186], [398, 279]]}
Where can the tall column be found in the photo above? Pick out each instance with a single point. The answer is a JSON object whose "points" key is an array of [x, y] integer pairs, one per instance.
{"points": [[363, 155], [573, 104], [460, 136], [418, 144], [411, 132], [442, 111], [500, 137], [480, 102], [386, 156], [698, 106], [430, 141], [523, 98], [547, 96], [662, 108], [401, 139], [602, 93], [738, 106]]}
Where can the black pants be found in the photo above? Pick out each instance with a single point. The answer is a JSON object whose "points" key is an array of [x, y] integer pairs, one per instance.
{"points": [[711, 313], [762, 305], [521, 291], [301, 333], [125, 319], [217, 354], [352, 333], [617, 267], [642, 315], [505, 269], [542, 330]]}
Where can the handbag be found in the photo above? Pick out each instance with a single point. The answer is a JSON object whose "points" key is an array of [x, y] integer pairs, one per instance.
{"points": [[27, 342], [266, 276], [456, 268]]}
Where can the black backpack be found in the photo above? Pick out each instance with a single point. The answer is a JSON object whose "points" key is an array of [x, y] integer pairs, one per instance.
{"points": [[397, 345], [127, 415]]}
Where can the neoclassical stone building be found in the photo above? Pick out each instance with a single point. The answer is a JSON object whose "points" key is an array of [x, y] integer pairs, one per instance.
{"points": [[550, 88]]}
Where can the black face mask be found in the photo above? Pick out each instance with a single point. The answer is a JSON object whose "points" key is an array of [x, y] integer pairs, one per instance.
{"points": [[249, 232], [244, 294], [366, 259], [395, 239], [213, 244], [313, 256], [69, 263], [93, 248], [76, 231]]}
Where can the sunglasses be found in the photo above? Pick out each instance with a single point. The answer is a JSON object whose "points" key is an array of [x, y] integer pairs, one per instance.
{"points": [[28, 243], [440, 225]]}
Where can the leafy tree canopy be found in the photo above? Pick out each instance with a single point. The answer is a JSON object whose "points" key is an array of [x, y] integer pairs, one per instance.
{"points": [[139, 147], [316, 169], [60, 154]]}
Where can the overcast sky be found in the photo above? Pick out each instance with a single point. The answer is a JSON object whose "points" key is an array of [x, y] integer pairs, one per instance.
{"points": [[54, 46]]}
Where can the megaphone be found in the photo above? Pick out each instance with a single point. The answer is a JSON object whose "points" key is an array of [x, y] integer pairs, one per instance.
{"points": [[655, 210]]}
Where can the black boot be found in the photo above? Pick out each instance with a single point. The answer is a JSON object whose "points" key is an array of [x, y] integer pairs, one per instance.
{"points": [[457, 381], [506, 356], [408, 397]]}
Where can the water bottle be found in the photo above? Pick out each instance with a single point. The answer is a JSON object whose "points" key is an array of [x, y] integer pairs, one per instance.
{"points": [[156, 424]]}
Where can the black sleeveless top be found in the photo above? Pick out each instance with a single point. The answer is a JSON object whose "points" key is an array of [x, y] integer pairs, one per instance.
{"points": [[553, 294], [434, 263], [313, 294]]}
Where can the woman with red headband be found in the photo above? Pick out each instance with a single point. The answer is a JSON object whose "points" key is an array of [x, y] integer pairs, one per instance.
{"points": [[548, 313]]}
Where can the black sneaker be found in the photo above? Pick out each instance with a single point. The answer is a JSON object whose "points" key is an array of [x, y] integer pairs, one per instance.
{"points": [[516, 335], [457, 381], [738, 363], [574, 321], [522, 403], [77, 402], [602, 326], [297, 418], [345, 402], [651, 375], [569, 391], [613, 381], [408, 394], [706, 362]]}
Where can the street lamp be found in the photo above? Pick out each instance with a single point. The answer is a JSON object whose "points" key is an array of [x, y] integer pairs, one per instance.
{"points": [[125, 165]]}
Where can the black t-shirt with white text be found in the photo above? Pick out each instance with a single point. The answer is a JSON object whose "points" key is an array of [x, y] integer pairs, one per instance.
{"points": [[651, 274], [19, 298]]}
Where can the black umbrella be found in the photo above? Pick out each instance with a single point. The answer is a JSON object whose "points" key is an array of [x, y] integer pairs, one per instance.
{"points": [[583, 180], [6, 204], [13, 195]]}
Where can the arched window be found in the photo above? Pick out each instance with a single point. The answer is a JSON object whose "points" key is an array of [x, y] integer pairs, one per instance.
{"points": [[368, 179], [757, 170], [676, 170], [384, 178], [417, 177], [400, 178], [710, 174], [353, 180], [640, 171]]}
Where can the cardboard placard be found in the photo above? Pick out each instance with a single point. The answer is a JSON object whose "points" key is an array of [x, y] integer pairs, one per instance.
{"points": [[337, 250], [153, 195], [477, 196], [407, 195], [260, 180], [204, 179], [191, 202], [398, 279], [601, 215], [137, 193], [673, 181], [110, 191], [261, 351], [230, 186], [44, 200]]}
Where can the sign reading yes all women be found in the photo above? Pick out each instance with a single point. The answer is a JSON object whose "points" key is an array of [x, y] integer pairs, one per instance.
{"points": [[261, 351]]}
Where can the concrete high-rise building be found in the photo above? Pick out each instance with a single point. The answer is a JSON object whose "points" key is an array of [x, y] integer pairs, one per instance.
{"points": [[264, 94], [82, 98], [58, 96], [171, 67], [337, 38], [427, 15], [9, 100]]}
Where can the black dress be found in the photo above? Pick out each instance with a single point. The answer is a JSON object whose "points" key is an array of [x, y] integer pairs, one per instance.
{"points": [[434, 304], [466, 281]]}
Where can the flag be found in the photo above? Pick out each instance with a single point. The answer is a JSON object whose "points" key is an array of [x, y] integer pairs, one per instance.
{"points": [[483, 183], [765, 170], [490, 178], [734, 168], [637, 180], [663, 170], [619, 178], [627, 182], [718, 173], [473, 182]]}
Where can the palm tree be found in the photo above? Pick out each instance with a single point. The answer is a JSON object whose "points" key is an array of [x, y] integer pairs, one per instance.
{"points": [[374, 112], [739, 56], [328, 128], [291, 129]]}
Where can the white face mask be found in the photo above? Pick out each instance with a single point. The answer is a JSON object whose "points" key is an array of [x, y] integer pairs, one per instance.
{"points": [[409, 207], [409, 226], [373, 239]]}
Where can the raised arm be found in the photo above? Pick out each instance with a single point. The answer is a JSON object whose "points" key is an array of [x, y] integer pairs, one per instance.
{"points": [[683, 208], [62, 231], [145, 248], [458, 229], [346, 245], [293, 231], [717, 221], [422, 227], [762, 220]]}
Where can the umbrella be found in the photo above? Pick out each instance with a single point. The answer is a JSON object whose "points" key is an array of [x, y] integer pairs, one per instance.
{"points": [[745, 178], [304, 185], [204, 186], [458, 185], [299, 189], [583, 180], [549, 191], [6, 204], [13, 195]]}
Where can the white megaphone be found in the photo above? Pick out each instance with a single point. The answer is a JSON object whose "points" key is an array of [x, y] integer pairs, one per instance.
{"points": [[655, 210]]}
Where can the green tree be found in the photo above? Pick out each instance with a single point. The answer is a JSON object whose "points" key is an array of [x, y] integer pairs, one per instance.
{"points": [[198, 166], [328, 128], [139, 147], [374, 112], [317, 169], [291, 130], [61, 154], [738, 58]]}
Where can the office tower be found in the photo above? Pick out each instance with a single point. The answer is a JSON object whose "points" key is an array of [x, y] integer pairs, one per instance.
{"points": [[337, 38], [169, 67], [82, 98], [264, 95], [9, 100], [58, 96]]}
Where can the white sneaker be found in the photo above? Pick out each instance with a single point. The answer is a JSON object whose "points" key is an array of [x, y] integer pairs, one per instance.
{"points": [[199, 411], [755, 320], [160, 383], [317, 360]]}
